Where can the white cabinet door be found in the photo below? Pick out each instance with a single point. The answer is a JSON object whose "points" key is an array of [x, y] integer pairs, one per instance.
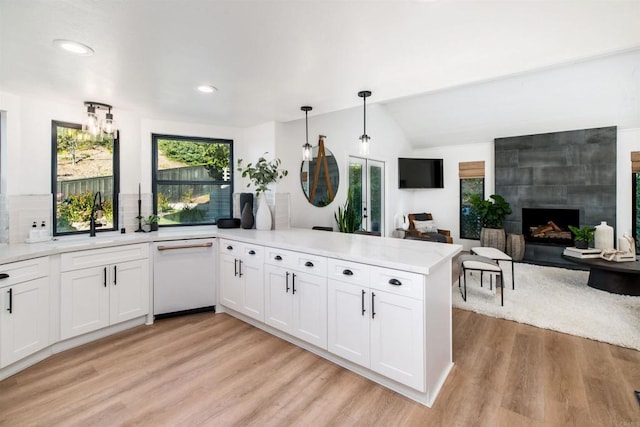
{"points": [[253, 289], [278, 305], [348, 321], [309, 308], [24, 323], [397, 338], [129, 290], [230, 285], [84, 301]]}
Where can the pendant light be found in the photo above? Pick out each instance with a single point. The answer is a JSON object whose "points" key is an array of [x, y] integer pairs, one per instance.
{"points": [[95, 127], [307, 149], [364, 138]]}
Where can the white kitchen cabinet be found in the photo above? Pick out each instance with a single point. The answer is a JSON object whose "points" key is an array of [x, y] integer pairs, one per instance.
{"points": [[241, 278], [376, 319], [24, 298], [109, 288], [296, 295]]}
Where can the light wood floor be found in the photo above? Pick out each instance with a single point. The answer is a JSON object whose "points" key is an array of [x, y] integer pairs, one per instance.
{"points": [[208, 369]]}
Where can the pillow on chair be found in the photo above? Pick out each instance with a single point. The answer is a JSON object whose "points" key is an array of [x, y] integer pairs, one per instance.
{"points": [[425, 226]]}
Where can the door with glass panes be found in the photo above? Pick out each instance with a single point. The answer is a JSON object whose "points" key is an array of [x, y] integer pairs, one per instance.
{"points": [[366, 185]]}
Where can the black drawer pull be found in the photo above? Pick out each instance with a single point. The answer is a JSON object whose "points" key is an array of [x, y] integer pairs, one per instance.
{"points": [[252, 252], [10, 309], [278, 258], [395, 282], [347, 272], [229, 248], [308, 264], [4, 276]]}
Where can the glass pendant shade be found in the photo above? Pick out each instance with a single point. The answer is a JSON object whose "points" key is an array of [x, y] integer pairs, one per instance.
{"points": [[364, 144], [307, 149]]}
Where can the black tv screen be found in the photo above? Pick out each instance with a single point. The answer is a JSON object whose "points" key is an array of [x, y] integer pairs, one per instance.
{"points": [[420, 173]]}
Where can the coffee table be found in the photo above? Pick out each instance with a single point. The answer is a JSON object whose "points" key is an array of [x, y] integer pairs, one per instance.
{"points": [[616, 277]]}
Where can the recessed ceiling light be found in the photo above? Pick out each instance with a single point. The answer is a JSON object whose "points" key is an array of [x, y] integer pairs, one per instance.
{"points": [[207, 88], [73, 47]]}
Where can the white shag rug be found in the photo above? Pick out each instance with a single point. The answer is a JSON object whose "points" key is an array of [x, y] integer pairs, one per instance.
{"points": [[557, 299]]}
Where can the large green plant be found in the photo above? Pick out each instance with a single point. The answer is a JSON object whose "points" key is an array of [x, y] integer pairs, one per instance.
{"points": [[491, 212], [262, 173], [347, 217]]}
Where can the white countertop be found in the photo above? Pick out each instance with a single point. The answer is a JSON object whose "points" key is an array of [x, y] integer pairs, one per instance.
{"points": [[409, 255]]}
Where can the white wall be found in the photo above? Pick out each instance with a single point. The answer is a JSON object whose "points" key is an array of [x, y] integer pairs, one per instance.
{"points": [[342, 130]]}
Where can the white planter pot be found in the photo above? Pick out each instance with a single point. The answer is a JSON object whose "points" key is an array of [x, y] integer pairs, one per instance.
{"points": [[263, 215]]}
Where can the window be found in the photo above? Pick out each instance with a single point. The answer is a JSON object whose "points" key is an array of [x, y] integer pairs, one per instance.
{"points": [[636, 210], [366, 187], [192, 179], [83, 173], [469, 222]]}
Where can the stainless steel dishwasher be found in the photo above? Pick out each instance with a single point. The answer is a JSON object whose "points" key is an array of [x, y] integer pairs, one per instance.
{"points": [[184, 276]]}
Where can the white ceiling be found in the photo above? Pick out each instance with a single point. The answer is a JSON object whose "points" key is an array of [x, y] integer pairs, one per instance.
{"points": [[268, 58]]}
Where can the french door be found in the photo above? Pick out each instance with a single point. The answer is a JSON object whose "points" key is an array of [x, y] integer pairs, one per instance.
{"points": [[366, 185]]}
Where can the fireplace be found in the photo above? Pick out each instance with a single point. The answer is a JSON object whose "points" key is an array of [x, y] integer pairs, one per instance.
{"points": [[549, 226]]}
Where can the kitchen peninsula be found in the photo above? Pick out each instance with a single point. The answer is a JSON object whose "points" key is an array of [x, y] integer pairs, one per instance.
{"points": [[380, 307]]}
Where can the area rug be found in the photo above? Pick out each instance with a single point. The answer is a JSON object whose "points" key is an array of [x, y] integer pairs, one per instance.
{"points": [[557, 299]]}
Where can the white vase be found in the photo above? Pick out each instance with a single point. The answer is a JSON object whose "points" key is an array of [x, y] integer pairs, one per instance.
{"points": [[263, 215], [603, 237]]}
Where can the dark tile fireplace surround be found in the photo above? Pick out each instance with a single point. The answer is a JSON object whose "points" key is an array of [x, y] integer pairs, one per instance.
{"points": [[568, 178]]}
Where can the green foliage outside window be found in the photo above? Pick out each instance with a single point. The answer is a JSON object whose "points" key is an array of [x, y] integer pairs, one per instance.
{"points": [[215, 158], [75, 211], [470, 225]]}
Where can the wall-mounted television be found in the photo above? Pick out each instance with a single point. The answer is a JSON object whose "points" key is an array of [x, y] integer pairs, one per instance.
{"points": [[420, 173]]}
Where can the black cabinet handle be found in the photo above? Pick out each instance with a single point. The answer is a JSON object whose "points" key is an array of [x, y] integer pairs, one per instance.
{"points": [[363, 310], [293, 284], [239, 268], [229, 248], [115, 274], [277, 258], [252, 252], [235, 266], [308, 264], [373, 307], [348, 272], [10, 309], [287, 283], [395, 282], [105, 277], [4, 276]]}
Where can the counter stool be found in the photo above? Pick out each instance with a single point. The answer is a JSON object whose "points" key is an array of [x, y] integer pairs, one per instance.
{"points": [[497, 255], [481, 264]]}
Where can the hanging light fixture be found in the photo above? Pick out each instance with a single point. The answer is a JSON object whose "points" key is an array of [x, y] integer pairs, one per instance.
{"points": [[93, 125], [307, 149], [364, 138]]}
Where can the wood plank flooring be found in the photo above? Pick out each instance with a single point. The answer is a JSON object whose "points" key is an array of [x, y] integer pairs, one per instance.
{"points": [[208, 369]]}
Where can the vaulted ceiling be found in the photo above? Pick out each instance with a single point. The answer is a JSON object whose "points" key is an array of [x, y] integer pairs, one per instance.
{"points": [[267, 58]]}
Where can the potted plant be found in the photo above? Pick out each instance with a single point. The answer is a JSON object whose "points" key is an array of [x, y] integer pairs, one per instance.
{"points": [[260, 176], [347, 217], [582, 236], [152, 222], [491, 213]]}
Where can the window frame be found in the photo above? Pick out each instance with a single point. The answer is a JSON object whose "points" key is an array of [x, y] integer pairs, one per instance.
{"points": [[154, 172], [54, 180]]}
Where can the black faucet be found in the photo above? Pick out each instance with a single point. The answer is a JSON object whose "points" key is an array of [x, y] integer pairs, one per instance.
{"points": [[96, 212]]}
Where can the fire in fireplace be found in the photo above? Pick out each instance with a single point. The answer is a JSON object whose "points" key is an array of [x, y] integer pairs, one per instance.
{"points": [[549, 226]]}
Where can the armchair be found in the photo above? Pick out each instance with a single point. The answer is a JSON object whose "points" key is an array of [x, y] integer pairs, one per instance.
{"points": [[435, 236]]}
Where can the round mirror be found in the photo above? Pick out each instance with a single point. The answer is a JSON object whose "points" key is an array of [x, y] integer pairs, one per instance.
{"points": [[320, 176]]}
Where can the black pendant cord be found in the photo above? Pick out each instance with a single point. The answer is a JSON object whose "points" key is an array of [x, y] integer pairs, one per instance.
{"points": [[364, 98]]}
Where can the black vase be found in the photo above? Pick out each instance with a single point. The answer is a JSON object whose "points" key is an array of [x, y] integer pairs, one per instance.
{"points": [[246, 219]]}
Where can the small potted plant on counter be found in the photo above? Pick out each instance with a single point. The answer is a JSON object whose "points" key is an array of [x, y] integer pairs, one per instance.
{"points": [[582, 236], [151, 223]]}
